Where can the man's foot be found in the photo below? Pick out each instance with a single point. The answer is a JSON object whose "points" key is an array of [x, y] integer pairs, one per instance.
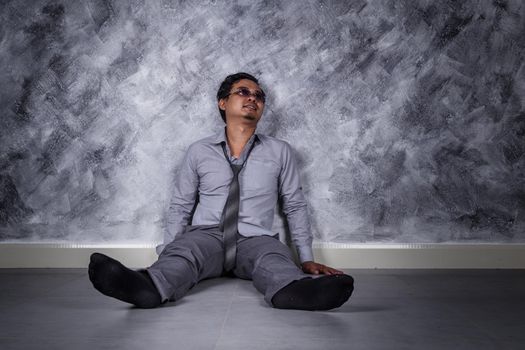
{"points": [[113, 279], [323, 293]]}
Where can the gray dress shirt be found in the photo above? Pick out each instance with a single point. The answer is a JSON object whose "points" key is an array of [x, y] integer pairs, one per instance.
{"points": [[269, 173]]}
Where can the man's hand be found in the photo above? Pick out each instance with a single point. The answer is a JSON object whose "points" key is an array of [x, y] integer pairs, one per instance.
{"points": [[316, 269]]}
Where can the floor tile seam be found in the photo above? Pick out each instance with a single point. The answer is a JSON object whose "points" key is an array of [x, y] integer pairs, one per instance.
{"points": [[62, 284], [226, 316], [454, 313], [442, 298], [59, 337], [240, 297], [476, 323], [484, 335], [43, 270], [487, 335]]}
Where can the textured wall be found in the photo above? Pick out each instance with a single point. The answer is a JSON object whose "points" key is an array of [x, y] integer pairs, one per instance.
{"points": [[407, 116]]}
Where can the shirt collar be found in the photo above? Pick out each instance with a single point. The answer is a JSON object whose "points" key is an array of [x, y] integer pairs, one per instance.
{"points": [[220, 137]]}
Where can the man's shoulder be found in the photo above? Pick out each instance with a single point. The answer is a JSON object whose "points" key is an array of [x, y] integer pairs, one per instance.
{"points": [[273, 141], [205, 141], [275, 145]]}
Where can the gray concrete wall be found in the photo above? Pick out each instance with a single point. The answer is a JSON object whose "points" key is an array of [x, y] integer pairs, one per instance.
{"points": [[407, 116]]}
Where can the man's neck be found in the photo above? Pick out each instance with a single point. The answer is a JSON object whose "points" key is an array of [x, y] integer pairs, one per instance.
{"points": [[237, 137]]}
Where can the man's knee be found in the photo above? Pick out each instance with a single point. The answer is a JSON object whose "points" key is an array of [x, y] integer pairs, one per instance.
{"points": [[273, 261], [186, 254]]}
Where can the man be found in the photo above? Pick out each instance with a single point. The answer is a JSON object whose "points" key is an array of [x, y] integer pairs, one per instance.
{"points": [[227, 189]]}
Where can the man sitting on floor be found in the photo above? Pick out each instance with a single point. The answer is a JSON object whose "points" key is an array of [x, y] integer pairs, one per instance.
{"points": [[228, 189]]}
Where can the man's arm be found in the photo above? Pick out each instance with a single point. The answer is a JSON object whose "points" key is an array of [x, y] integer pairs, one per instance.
{"points": [[294, 205], [182, 201], [295, 209]]}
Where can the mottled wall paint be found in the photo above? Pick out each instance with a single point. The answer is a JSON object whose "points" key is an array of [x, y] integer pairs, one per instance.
{"points": [[407, 116]]}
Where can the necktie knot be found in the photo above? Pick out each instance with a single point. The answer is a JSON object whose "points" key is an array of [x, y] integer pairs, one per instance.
{"points": [[236, 169]]}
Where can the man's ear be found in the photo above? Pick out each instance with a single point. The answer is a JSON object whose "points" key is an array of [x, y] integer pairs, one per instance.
{"points": [[222, 102]]}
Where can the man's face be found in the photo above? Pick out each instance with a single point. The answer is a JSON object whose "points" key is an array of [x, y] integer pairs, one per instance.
{"points": [[242, 105]]}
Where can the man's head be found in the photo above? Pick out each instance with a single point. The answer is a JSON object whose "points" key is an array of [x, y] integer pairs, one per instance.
{"points": [[240, 96]]}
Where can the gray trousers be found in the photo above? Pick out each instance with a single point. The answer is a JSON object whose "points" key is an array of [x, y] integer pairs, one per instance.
{"points": [[198, 254]]}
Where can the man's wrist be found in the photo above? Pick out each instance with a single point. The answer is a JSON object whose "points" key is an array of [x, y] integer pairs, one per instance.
{"points": [[305, 253]]}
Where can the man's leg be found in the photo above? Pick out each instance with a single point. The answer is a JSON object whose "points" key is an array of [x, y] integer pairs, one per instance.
{"points": [[269, 263], [191, 257], [196, 255]]}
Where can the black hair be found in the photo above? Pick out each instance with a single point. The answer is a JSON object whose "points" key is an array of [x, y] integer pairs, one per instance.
{"points": [[226, 86]]}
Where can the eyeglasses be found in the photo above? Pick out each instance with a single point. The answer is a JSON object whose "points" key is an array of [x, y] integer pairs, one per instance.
{"points": [[245, 92]]}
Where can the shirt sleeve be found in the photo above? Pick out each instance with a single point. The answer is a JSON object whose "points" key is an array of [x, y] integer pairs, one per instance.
{"points": [[182, 201], [294, 205]]}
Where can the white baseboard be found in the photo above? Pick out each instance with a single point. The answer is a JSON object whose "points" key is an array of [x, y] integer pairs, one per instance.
{"points": [[348, 256]]}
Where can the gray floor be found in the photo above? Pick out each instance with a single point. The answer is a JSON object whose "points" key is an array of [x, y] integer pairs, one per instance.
{"points": [[390, 309]]}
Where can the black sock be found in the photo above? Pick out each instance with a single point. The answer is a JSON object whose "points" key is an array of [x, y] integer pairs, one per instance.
{"points": [[113, 279], [323, 293]]}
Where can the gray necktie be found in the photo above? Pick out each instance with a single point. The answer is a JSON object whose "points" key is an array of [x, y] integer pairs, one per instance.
{"points": [[230, 220], [230, 213]]}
